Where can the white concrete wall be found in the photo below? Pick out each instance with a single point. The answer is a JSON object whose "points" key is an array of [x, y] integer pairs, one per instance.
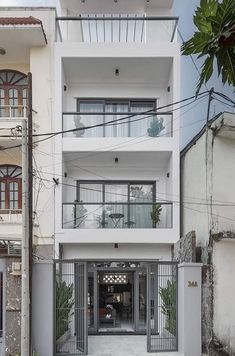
{"points": [[189, 309], [224, 290], [193, 192], [212, 181], [205, 183], [223, 172], [124, 250]]}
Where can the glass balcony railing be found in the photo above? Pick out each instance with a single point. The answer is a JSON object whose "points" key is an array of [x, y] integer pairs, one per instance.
{"points": [[121, 216], [12, 111], [117, 28], [122, 124]]}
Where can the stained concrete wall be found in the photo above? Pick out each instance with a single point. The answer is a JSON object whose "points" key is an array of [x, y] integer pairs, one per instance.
{"points": [[184, 250], [12, 294], [42, 308], [224, 291]]}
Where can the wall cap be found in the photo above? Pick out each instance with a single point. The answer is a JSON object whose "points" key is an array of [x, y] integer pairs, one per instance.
{"points": [[189, 264]]}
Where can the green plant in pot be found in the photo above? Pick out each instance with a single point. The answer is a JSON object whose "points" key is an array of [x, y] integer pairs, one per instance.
{"points": [[156, 126], [64, 306], [156, 213]]}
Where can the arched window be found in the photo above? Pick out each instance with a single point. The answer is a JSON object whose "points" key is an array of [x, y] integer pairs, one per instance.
{"points": [[13, 93], [10, 187]]}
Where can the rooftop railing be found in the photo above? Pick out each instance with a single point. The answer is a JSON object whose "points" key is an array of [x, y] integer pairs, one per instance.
{"points": [[79, 215], [117, 28], [117, 124]]}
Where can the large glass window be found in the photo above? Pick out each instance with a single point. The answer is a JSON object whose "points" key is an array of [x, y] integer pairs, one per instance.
{"points": [[10, 187], [114, 204], [106, 111], [115, 192]]}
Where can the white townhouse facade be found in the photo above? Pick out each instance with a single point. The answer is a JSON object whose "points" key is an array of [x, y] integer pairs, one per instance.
{"points": [[117, 73], [105, 75]]}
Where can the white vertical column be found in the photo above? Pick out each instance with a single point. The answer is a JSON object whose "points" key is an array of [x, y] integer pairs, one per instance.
{"points": [[189, 308]]}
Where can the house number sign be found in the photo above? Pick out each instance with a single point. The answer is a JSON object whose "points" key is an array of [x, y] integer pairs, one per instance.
{"points": [[192, 284]]}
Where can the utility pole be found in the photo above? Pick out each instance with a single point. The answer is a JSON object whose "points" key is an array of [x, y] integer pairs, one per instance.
{"points": [[25, 287]]}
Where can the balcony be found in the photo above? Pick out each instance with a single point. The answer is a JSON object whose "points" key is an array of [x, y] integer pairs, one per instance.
{"points": [[79, 215], [10, 224], [117, 124], [13, 111], [117, 28]]}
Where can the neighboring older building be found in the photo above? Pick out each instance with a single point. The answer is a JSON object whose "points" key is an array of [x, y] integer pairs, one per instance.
{"points": [[26, 47], [208, 208]]}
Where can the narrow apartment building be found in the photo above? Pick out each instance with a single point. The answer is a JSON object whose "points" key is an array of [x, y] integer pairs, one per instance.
{"points": [[117, 165], [104, 77]]}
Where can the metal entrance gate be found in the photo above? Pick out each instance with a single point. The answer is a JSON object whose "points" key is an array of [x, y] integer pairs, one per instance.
{"points": [[70, 308], [162, 309]]}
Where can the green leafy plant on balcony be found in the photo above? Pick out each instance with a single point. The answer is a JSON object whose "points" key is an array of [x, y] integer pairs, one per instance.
{"points": [[64, 306], [168, 307], [156, 126], [156, 213]]}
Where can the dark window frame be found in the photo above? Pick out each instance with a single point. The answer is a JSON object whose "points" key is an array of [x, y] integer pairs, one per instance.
{"points": [[110, 101], [116, 182], [9, 84], [7, 179]]}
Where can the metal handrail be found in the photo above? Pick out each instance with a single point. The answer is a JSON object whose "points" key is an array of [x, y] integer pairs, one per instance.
{"points": [[119, 18], [119, 203], [115, 113]]}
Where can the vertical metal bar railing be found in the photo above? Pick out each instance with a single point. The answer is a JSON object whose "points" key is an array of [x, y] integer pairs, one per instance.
{"points": [[104, 28], [127, 24], [134, 30], [89, 28], [82, 32], [96, 26], [112, 30], [120, 22]]}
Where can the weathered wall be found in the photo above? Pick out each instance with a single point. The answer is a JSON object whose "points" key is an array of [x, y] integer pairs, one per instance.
{"points": [[224, 291], [184, 250], [12, 293]]}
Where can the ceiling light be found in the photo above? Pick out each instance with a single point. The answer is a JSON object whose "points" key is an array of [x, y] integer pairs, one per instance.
{"points": [[2, 51]]}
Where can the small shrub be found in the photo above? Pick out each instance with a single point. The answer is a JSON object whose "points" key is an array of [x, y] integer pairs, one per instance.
{"points": [[168, 295]]}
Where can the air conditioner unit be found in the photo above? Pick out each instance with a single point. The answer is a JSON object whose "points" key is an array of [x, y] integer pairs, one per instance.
{"points": [[16, 268]]}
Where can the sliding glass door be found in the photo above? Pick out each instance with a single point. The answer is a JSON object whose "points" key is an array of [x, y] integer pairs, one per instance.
{"points": [[122, 118]]}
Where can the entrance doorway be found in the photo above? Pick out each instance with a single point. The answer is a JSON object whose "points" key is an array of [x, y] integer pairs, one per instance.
{"points": [[110, 298], [117, 298], [116, 301]]}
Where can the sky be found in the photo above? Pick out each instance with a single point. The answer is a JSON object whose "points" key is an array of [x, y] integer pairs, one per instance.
{"points": [[191, 120]]}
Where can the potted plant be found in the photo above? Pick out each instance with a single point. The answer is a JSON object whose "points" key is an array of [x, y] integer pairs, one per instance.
{"points": [[156, 126], [155, 213], [79, 125]]}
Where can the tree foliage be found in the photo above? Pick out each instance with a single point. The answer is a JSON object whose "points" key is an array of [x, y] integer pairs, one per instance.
{"points": [[214, 39]]}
